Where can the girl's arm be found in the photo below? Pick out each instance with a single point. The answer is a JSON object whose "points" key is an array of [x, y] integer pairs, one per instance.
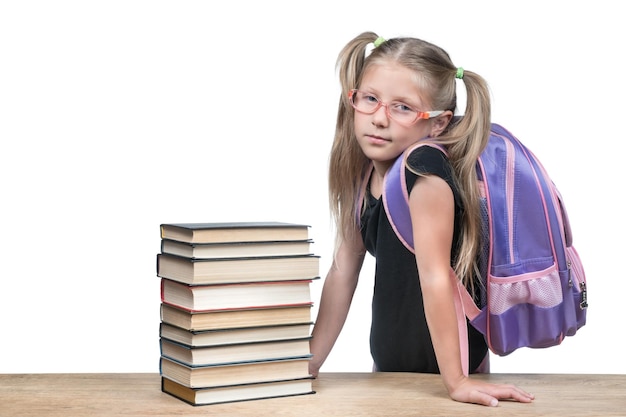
{"points": [[337, 293], [432, 213]]}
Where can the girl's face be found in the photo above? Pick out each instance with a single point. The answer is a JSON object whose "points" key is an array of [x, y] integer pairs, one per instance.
{"points": [[381, 138]]}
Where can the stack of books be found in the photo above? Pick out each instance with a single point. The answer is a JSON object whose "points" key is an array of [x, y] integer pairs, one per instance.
{"points": [[235, 310]]}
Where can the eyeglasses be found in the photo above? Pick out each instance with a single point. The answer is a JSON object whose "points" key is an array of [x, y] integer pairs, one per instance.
{"points": [[406, 115]]}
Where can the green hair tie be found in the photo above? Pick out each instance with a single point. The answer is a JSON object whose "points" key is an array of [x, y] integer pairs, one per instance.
{"points": [[459, 73], [378, 41]]}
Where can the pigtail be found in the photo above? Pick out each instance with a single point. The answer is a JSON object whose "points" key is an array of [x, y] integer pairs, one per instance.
{"points": [[347, 162], [466, 140]]}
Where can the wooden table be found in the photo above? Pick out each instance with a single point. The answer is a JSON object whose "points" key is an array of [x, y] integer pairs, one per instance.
{"points": [[337, 394]]}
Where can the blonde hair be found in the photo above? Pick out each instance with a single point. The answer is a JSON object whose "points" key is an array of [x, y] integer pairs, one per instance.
{"points": [[464, 139]]}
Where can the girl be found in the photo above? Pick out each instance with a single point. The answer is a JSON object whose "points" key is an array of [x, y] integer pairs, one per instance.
{"points": [[401, 93]]}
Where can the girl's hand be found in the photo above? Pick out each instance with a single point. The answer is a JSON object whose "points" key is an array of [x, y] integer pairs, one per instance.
{"points": [[484, 393], [313, 369]]}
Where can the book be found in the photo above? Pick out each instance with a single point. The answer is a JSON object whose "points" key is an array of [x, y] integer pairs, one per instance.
{"points": [[236, 393], [235, 319], [234, 374], [233, 270], [231, 354], [235, 296], [235, 336], [235, 310], [236, 249], [234, 232]]}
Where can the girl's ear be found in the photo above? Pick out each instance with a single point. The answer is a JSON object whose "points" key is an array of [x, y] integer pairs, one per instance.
{"points": [[440, 123]]}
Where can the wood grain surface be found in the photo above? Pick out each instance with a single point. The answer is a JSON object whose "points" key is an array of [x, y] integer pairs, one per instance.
{"points": [[337, 394]]}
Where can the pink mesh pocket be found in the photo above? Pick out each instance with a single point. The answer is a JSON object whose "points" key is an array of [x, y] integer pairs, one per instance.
{"points": [[540, 288]]}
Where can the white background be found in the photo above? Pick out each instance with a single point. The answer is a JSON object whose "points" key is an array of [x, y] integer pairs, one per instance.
{"points": [[117, 116]]}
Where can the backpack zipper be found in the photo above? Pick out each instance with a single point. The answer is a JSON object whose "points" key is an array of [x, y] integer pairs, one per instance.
{"points": [[581, 284], [583, 296]]}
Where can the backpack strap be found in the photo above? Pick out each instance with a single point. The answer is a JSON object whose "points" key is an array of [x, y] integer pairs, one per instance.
{"points": [[396, 195], [396, 200]]}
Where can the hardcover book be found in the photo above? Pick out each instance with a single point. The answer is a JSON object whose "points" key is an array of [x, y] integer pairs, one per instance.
{"points": [[236, 393], [234, 232], [235, 319], [237, 353], [236, 249], [239, 373], [234, 270], [235, 296], [235, 336]]}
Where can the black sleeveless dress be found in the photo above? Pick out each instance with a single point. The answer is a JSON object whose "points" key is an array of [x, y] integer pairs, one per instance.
{"points": [[399, 336]]}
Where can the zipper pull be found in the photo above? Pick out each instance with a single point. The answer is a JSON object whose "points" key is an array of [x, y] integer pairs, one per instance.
{"points": [[569, 274], [583, 296]]}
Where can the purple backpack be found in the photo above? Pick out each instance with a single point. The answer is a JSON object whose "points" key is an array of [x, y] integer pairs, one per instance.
{"points": [[535, 289]]}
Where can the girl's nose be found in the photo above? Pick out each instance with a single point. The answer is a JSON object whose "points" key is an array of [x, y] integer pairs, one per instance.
{"points": [[380, 116]]}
